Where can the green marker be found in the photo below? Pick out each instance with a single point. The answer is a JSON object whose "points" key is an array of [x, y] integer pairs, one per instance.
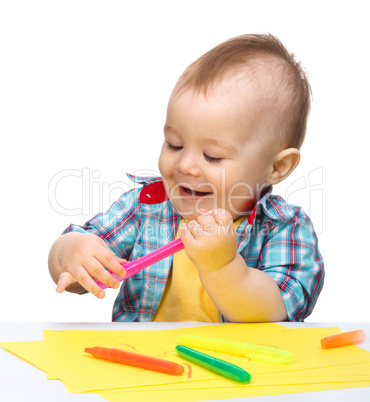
{"points": [[216, 365]]}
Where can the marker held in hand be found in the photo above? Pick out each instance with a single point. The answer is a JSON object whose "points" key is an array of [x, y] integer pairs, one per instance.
{"points": [[133, 267]]}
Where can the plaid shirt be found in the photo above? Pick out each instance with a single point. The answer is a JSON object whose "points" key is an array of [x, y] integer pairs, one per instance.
{"points": [[277, 239]]}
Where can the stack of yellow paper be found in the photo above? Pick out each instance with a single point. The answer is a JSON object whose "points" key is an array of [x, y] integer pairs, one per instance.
{"points": [[61, 355]]}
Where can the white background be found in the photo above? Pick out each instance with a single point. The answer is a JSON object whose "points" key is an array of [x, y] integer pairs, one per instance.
{"points": [[83, 94]]}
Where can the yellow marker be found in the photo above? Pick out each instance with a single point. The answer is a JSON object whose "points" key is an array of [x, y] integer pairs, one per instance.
{"points": [[265, 354]]}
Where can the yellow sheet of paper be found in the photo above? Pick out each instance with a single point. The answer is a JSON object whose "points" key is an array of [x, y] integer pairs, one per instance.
{"points": [[82, 373], [302, 381], [304, 343], [220, 393]]}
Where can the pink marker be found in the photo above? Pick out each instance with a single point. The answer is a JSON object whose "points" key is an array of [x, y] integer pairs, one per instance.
{"points": [[133, 267]]}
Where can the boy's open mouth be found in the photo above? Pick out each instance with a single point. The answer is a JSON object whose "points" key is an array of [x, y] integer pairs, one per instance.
{"points": [[189, 193]]}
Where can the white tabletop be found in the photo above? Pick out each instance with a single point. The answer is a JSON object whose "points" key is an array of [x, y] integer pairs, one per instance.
{"points": [[20, 381]]}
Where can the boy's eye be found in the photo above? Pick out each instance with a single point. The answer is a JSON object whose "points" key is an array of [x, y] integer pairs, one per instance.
{"points": [[211, 159], [173, 147], [206, 157]]}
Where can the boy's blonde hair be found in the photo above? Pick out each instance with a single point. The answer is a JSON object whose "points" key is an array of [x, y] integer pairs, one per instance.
{"points": [[267, 57]]}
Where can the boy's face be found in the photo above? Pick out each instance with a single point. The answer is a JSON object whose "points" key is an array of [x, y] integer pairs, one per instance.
{"points": [[212, 156]]}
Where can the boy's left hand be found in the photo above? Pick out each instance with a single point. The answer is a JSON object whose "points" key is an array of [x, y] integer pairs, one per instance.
{"points": [[210, 241]]}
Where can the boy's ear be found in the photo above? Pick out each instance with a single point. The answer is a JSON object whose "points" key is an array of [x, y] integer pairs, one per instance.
{"points": [[283, 165]]}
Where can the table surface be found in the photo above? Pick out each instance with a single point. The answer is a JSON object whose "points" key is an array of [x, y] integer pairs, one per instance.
{"points": [[35, 387]]}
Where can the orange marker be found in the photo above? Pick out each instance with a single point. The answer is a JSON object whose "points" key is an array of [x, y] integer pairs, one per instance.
{"points": [[136, 359], [343, 339]]}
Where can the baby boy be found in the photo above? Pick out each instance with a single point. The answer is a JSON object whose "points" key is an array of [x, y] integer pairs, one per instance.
{"points": [[236, 120]]}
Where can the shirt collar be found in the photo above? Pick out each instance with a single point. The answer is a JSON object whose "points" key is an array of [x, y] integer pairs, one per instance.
{"points": [[143, 179], [274, 207]]}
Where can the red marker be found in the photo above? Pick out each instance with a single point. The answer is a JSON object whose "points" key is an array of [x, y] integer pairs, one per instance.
{"points": [[136, 359], [343, 339]]}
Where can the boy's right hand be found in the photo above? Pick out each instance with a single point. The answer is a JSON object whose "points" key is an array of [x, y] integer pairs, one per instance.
{"points": [[76, 258]]}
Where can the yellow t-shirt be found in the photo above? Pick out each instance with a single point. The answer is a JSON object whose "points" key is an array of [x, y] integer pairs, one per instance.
{"points": [[185, 298]]}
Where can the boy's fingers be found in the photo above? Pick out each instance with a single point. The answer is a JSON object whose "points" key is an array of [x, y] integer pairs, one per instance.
{"points": [[122, 261], [85, 280], [207, 221], [109, 260], [98, 271], [65, 279], [195, 229], [222, 216], [185, 232]]}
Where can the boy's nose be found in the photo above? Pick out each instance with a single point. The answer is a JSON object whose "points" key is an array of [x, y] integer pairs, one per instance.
{"points": [[188, 165]]}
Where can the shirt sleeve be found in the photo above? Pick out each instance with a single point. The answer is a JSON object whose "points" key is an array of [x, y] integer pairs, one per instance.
{"points": [[292, 258], [118, 226]]}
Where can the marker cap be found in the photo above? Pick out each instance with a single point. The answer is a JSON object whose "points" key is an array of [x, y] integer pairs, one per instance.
{"points": [[343, 339]]}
